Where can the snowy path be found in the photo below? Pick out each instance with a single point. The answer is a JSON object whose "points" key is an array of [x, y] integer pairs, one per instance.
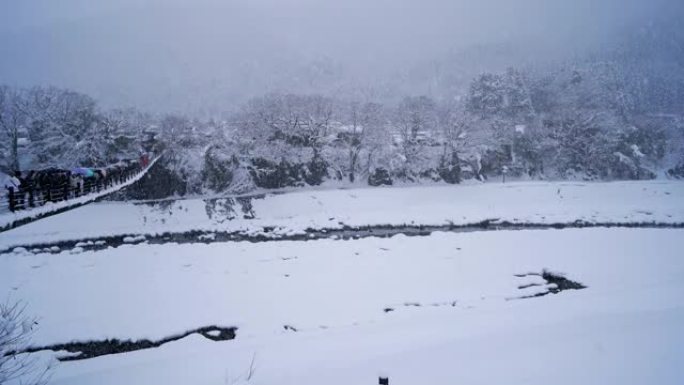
{"points": [[625, 328], [293, 213]]}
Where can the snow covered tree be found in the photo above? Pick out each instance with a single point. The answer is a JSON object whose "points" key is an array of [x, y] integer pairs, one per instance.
{"points": [[298, 121], [361, 135], [120, 132], [502, 121], [504, 95], [352, 138], [219, 168], [184, 145], [12, 126], [486, 95], [286, 132], [415, 120], [59, 122]]}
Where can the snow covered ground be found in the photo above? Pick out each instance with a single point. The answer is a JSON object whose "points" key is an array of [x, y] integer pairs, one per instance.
{"points": [[447, 308], [454, 319], [625, 202]]}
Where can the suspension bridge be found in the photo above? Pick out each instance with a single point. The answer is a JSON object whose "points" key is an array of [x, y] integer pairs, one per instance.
{"points": [[25, 205]]}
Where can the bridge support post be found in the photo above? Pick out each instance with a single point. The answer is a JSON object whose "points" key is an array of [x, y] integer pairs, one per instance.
{"points": [[10, 196], [20, 198]]}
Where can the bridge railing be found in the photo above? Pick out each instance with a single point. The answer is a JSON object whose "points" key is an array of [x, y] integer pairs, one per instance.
{"points": [[28, 196]]}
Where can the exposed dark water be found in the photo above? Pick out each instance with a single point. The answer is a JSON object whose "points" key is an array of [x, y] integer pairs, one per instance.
{"points": [[269, 234], [560, 283], [82, 350]]}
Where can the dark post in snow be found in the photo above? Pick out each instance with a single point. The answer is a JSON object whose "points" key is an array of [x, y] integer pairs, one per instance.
{"points": [[65, 191], [10, 196], [32, 199], [383, 380]]}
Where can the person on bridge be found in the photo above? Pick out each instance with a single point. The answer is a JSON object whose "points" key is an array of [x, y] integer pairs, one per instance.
{"points": [[12, 182], [12, 185]]}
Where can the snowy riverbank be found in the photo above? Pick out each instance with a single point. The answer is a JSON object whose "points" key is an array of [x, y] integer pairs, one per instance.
{"points": [[524, 202]]}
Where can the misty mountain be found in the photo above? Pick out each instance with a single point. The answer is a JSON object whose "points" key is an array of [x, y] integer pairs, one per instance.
{"points": [[209, 56]]}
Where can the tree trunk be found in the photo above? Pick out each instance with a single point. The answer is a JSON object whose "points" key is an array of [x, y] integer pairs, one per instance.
{"points": [[14, 152], [353, 155]]}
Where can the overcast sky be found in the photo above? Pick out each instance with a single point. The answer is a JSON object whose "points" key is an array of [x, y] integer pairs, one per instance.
{"points": [[201, 56]]}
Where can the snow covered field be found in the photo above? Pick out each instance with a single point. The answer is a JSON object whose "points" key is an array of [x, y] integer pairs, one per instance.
{"points": [[624, 328], [448, 308]]}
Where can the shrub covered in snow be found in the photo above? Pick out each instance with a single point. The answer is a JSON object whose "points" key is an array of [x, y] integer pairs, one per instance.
{"points": [[380, 177], [15, 335]]}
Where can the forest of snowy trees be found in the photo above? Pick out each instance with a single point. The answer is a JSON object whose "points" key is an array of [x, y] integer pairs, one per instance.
{"points": [[609, 116], [46, 127]]}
